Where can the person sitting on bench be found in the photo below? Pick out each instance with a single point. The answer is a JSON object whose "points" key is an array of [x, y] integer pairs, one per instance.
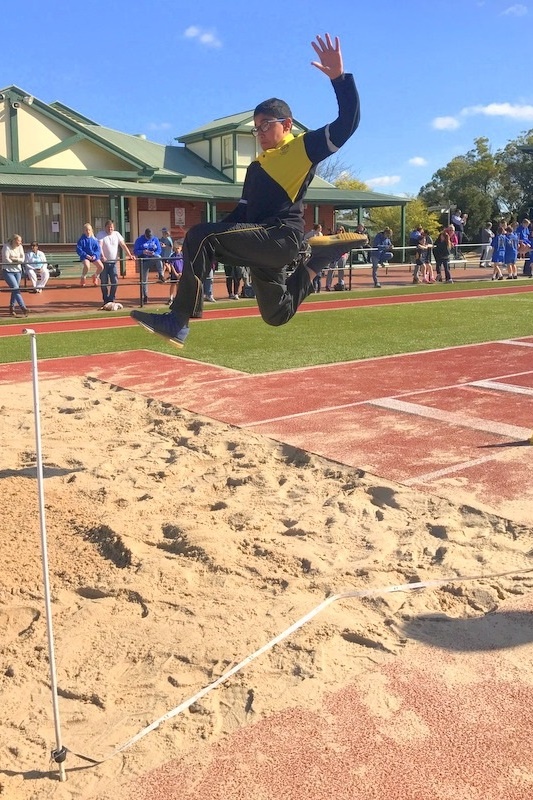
{"points": [[265, 231], [36, 268]]}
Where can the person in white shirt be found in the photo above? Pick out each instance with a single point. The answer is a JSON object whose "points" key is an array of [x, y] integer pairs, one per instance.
{"points": [[36, 268], [110, 242]]}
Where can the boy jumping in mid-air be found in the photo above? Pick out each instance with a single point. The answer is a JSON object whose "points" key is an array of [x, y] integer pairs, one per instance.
{"points": [[265, 231]]}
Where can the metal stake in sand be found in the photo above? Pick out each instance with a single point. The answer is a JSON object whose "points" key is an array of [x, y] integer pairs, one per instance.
{"points": [[60, 753]]}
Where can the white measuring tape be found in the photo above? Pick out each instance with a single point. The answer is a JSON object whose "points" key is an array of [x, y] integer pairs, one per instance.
{"points": [[402, 587]]}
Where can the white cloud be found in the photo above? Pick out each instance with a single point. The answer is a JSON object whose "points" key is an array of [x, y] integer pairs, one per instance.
{"points": [[445, 124], [514, 111], [418, 161], [518, 10], [384, 180], [159, 126], [522, 113], [207, 38]]}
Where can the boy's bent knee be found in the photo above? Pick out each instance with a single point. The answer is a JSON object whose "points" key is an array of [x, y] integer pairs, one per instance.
{"points": [[276, 322], [277, 316]]}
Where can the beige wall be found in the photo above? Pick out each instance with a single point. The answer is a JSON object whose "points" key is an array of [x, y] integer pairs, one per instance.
{"points": [[201, 149], [84, 155], [3, 131], [38, 133]]}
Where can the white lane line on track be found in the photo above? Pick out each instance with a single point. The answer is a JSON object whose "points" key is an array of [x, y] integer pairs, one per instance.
{"points": [[516, 342], [454, 419], [408, 393], [452, 469], [503, 387]]}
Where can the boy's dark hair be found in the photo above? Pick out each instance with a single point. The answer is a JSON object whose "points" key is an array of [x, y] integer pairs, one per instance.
{"points": [[274, 107]]}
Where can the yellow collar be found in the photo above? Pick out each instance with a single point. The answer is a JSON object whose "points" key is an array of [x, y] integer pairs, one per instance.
{"points": [[287, 138]]}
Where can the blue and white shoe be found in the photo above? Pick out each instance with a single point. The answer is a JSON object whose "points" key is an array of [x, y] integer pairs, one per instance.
{"points": [[166, 325]]}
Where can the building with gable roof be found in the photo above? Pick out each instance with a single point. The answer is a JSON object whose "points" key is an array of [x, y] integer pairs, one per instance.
{"points": [[60, 169]]}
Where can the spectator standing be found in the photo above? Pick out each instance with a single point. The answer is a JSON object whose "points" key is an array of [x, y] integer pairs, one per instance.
{"points": [[454, 240], [36, 268], [498, 253], [233, 280], [414, 237], [486, 247], [511, 252], [362, 231], [209, 281], [442, 250], [381, 252], [524, 245], [316, 230], [148, 250], [338, 265], [175, 262], [165, 240], [12, 261], [427, 265], [459, 220], [89, 251], [110, 242], [423, 259]]}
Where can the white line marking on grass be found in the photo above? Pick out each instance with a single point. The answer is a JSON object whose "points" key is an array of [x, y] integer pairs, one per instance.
{"points": [[503, 387], [451, 418]]}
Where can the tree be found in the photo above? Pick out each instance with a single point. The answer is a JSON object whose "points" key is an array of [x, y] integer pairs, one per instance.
{"points": [[516, 176], [472, 183], [416, 213], [333, 168], [345, 182]]}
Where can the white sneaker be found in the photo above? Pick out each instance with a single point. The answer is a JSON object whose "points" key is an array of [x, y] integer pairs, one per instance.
{"points": [[210, 299]]}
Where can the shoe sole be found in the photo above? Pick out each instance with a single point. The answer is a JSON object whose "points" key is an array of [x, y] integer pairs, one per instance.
{"points": [[174, 342], [356, 239]]}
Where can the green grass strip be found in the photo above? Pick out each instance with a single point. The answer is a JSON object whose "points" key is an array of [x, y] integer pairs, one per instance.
{"points": [[322, 337]]}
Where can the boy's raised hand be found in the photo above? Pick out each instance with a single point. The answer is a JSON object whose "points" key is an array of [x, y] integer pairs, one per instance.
{"points": [[330, 56]]}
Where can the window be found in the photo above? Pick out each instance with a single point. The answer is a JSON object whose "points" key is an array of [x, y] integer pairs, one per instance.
{"points": [[74, 216], [17, 216], [99, 212], [47, 212], [227, 151]]}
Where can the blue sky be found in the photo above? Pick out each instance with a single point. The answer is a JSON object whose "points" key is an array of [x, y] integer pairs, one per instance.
{"points": [[432, 74]]}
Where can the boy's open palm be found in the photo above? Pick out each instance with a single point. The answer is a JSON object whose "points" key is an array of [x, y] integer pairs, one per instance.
{"points": [[330, 56]]}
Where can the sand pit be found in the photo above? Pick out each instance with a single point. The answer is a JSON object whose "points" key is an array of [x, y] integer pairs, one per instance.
{"points": [[178, 546]]}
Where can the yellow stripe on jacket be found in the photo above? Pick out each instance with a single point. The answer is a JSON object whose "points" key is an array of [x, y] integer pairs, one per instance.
{"points": [[288, 164]]}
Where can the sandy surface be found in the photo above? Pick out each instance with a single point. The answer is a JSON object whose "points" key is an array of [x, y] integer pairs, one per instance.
{"points": [[177, 547]]}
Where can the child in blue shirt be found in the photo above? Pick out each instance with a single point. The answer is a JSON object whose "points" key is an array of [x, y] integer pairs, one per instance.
{"points": [[175, 262], [90, 253], [498, 254], [511, 252]]}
